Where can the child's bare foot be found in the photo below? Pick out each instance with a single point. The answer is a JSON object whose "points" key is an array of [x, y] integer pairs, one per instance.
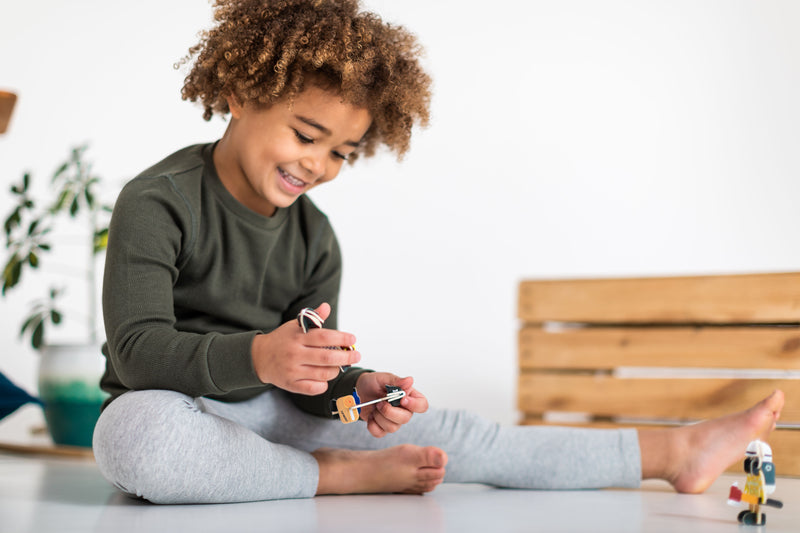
{"points": [[406, 468], [692, 457]]}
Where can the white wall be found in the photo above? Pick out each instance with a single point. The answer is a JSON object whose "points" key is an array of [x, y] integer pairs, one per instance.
{"points": [[569, 139]]}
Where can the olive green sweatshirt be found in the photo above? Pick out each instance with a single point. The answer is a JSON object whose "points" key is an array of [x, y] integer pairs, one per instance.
{"points": [[192, 276]]}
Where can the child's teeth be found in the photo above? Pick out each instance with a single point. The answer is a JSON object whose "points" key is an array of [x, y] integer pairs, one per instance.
{"points": [[291, 179]]}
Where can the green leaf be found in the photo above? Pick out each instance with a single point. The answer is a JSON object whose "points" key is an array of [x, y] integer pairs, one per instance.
{"points": [[100, 240], [63, 168], [28, 322], [61, 202], [16, 273], [33, 260], [11, 272], [55, 316], [73, 209], [13, 221], [37, 339], [26, 181], [89, 198]]}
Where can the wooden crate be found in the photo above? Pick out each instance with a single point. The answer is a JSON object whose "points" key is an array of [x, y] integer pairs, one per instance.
{"points": [[661, 351]]}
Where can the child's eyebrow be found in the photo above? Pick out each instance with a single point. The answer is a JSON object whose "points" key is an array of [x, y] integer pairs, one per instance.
{"points": [[314, 124]]}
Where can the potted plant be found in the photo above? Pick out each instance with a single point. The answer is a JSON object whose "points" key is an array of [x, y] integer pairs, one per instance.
{"points": [[68, 374]]}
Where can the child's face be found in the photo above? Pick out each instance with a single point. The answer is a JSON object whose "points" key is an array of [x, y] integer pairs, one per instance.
{"points": [[270, 156]]}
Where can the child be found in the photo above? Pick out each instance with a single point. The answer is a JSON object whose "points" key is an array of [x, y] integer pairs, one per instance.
{"points": [[217, 395]]}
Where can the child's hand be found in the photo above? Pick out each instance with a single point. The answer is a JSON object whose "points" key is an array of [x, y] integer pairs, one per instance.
{"points": [[300, 362], [382, 417]]}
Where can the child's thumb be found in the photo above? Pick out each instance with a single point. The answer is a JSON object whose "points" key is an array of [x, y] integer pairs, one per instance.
{"points": [[404, 383], [324, 311]]}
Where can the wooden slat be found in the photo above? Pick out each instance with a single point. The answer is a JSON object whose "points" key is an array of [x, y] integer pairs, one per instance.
{"points": [[688, 399], [785, 444], [751, 298], [707, 347], [59, 451]]}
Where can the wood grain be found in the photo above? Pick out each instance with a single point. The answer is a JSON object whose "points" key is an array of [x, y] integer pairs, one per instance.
{"points": [[705, 347], [680, 399], [730, 299]]}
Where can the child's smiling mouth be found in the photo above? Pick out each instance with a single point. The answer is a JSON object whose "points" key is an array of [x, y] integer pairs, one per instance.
{"points": [[295, 184]]}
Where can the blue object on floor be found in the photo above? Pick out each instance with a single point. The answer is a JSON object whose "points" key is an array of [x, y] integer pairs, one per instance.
{"points": [[12, 397]]}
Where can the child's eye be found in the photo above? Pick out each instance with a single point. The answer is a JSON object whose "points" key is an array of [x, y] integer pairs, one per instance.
{"points": [[308, 140], [302, 138]]}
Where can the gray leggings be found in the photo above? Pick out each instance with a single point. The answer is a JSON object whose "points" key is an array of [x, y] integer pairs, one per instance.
{"points": [[167, 447]]}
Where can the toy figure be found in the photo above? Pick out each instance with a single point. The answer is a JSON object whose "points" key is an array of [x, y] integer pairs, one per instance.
{"points": [[759, 484]]}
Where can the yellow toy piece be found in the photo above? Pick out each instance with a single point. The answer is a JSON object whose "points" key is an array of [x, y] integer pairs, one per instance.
{"points": [[346, 407], [753, 492]]}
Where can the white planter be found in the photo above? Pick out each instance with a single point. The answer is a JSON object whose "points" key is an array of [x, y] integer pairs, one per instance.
{"points": [[69, 386]]}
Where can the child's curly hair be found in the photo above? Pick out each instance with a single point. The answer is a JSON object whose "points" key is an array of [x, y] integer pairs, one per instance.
{"points": [[260, 51]]}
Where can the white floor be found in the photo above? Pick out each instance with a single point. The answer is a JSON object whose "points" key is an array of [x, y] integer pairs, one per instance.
{"points": [[43, 494], [40, 493]]}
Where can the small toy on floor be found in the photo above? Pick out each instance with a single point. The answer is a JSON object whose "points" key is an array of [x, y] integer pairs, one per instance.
{"points": [[308, 318], [348, 407], [759, 484]]}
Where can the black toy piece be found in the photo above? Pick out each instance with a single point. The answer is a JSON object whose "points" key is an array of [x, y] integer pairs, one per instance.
{"points": [[750, 518], [389, 390]]}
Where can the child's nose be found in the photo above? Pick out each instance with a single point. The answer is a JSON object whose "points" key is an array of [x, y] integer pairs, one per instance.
{"points": [[314, 165]]}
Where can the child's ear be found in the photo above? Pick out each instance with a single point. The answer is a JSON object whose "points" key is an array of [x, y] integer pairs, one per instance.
{"points": [[234, 106]]}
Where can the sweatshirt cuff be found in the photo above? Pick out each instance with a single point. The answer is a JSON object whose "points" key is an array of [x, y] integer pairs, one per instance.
{"points": [[340, 386], [346, 383], [230, 361]]}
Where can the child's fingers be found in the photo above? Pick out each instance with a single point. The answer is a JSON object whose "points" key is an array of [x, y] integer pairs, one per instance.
{"points": [[319, 373], [333, 358], [378, 425], [322, 338], [414, 401], [404, 383], [326, 357], [391, 418], [374, 428], [309, 387]]}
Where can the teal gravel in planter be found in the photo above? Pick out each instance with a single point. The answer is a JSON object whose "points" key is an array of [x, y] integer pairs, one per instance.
{"points": [[71, 409]]}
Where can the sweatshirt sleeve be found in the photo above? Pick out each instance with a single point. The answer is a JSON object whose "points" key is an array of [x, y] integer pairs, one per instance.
{"points": [[151, 232]]}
